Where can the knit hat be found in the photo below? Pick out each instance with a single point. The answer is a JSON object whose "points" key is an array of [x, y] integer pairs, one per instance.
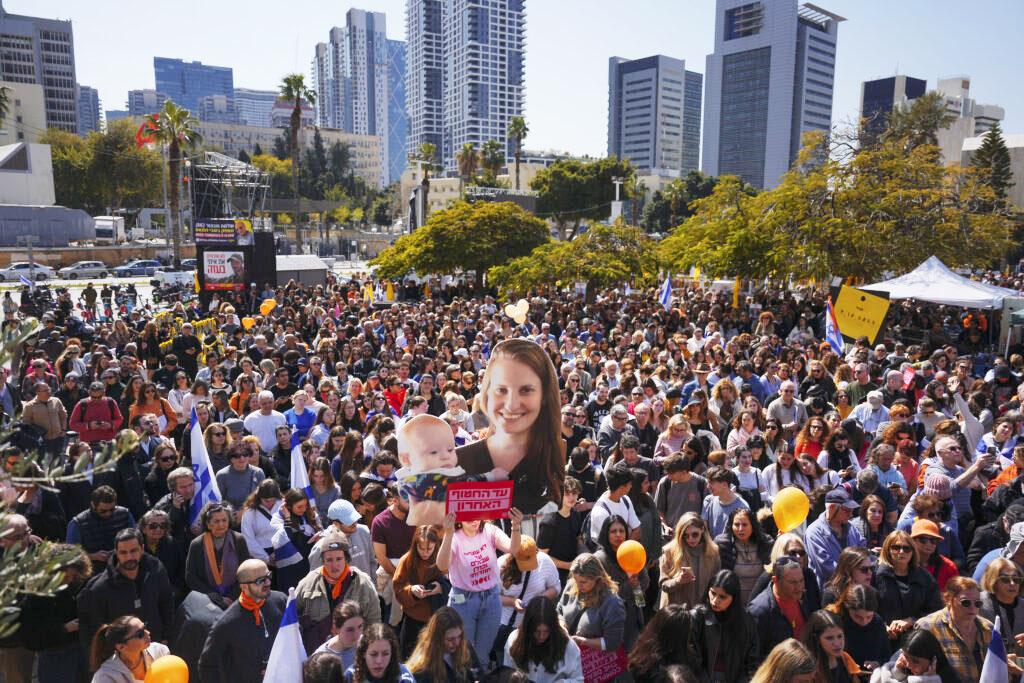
{"points": [[938, 484]]}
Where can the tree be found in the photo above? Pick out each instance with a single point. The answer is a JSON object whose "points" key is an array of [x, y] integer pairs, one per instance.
{"points": [[5, 101], [426, 155], [571, 191], [842, 212], [602, 256], [72, 181], [517, 130], [257, 150], [175, 127], [280, 172], [293, 89], [122, 173], [920, 122], [244, 157], [467, 160], [993, 162], [492, 158], [671, 206], [464, 237]]}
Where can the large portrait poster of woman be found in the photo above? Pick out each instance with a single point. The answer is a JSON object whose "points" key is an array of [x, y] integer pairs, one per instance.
{"points": [[519, 394]]}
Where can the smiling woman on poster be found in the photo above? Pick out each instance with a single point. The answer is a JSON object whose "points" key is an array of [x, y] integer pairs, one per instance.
{"points": [[519, 395]]}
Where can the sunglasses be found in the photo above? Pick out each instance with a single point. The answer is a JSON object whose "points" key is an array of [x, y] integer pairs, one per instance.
{"points": [[926, 540], [1017, 580], [218, 433], [141, 633], [693, 534], [157, 525], [970, 603], [170, 458], [797, 552], [260, 581], [866, 569]]}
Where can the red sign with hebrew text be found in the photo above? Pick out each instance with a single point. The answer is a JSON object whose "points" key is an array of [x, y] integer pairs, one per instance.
{"points": [[479, 500]]}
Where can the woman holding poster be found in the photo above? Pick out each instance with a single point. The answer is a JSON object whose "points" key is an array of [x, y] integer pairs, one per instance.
{"points": [[519, 395]]}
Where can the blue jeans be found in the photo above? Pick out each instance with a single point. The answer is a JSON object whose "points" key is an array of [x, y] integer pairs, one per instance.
{"points": [[481, 617]]}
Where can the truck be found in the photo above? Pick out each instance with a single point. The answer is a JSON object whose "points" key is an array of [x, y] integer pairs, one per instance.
{"points": [[166, 277], [109, 229]]}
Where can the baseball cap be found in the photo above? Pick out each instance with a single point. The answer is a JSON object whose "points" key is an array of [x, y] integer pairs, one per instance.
{"points": [[344, 512], [340, 544], [235, 425], [526, 556], [1016, 538], [839, 496], [925, 527], [97, 386]]}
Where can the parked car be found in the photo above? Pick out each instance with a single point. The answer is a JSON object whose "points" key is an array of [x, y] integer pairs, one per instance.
{"points": [[136, 268], [15, 271], [84, 269], [189, 263]]}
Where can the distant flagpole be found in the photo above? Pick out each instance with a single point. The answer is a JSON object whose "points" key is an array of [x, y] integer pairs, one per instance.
{"points": [[287, 654], [206, 481]]}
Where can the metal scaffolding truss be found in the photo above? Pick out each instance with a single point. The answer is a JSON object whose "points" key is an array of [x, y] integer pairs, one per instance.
{"points": [[224, 187]]}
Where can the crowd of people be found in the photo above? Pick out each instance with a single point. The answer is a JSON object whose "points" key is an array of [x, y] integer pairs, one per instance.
{"points": [[674, 426]]}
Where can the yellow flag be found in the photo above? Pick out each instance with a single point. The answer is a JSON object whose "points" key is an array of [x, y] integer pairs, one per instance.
{"points": [[736, 286], [426, 290], [390, 295]]}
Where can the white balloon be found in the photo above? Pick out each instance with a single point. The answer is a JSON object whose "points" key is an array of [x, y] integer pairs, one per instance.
{"points": [[520, 318]]}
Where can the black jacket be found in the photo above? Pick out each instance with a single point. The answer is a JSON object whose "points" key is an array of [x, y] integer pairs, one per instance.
{"points": [[180, 528], [812, 594], [110, 594], [986, 538], [727, 550], [238, 648], [1003, 497], [867, 643], [740, 653], [155, 484], [171, 554], [74, 495], [43, 618], [125, 480], [47, 520], [773, 626], [920, 597]]}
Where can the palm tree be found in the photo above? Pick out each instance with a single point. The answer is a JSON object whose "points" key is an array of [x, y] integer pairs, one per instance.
{"points": [[293, 89], [467, 159], [493, 157], [5, 102], [517, 129], [175, 127], [426, 154]]}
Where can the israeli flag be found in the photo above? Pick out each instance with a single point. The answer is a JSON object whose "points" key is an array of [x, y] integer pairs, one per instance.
{"points": [[28, 283], [832, 334], [298, 476], [206, 480], [287, 653], [995, 670], [665, 295]]}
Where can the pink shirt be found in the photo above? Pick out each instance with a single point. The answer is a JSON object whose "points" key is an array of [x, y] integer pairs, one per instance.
{"points": [[474, 559]]}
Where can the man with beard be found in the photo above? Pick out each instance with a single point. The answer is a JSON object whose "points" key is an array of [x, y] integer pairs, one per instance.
{"points": [[133, 582]]}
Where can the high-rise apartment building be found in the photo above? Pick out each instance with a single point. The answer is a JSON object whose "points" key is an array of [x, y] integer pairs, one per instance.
{"points": [[769, 81], [142, 102], [42, 52], [254, 106], [878, 98], [398, 123], [654, 107], [352, 74], [217, 109], [88, 110], [424, 69], [186, 82], [972, 119]]}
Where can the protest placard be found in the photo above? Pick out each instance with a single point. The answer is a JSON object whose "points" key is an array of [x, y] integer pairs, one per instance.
{"points": [[479, 500], [600, 666]]}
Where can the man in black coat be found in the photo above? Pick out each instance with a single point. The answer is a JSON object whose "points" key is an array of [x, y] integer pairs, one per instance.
{"points": [[239, 644], [774, 625], [993, 535], [133, 583]]}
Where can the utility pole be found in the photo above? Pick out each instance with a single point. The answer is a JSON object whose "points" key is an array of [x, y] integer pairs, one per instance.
{"points": [[30, 240]]}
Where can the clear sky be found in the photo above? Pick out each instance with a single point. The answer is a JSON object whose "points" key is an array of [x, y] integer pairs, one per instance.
{"points": [[568, 43]]}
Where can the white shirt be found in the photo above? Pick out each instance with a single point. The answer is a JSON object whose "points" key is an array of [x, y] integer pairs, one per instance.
{"points": [[258, 531], [569, 670], [606, 507], [543, 578], [264, 427]]}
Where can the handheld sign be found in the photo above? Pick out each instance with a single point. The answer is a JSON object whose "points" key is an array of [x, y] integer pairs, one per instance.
{"points": [[600, 666], [479, 500]]}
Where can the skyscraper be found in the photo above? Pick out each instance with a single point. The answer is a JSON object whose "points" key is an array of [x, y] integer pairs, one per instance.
{"points": [[88, 110], [972, 118], [483, 42], [769, 81], [254, 106], [142, 102], [352, 76], [879, 97], [42, 52], [654, 109], [424, 69], [217, 109], [185, 82], [398, 122]]}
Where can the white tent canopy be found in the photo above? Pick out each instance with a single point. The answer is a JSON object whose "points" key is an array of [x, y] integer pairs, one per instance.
{"points": [[933, 281]]}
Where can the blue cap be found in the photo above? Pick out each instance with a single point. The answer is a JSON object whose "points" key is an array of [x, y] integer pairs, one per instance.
{"points": [[343, 511]]}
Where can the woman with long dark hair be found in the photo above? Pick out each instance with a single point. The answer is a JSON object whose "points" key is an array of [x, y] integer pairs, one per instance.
{"points": [[866, 639], [823, 636], [541, 648], [614, 532], [443, 654], [664, 643], [298, 530], [377, 659], [922, 659], [744, 548], [418, 584], [725, 634]]}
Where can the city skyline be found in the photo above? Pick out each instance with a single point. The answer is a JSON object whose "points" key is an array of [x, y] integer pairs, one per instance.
{"points": [[566, 106]]}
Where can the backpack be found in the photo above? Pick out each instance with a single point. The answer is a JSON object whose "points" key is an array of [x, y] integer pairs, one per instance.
{"points": [[588, 541]]}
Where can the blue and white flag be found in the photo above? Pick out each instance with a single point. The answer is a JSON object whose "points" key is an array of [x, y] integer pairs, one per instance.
{"points": [[832, 334], [995, 670], [665, 295], [28, 283], [298, 476], [287, 654], [206, 480]]}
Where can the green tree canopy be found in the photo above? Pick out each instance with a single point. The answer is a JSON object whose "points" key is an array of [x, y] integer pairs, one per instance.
{"points": [[602, 256], [886, 207], [920, 122], [992, 160], [671, 206], [464, 237], [571, 191]]}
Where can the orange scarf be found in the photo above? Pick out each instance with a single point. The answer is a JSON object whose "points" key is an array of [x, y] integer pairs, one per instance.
{"points": [[211, 559], [336, 589], [248, 603]]}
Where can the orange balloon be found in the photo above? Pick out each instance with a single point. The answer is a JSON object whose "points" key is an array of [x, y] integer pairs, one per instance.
{"points": [[790, 509], [247, 323], [267, 306], [168, 669], [631, 556]]}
